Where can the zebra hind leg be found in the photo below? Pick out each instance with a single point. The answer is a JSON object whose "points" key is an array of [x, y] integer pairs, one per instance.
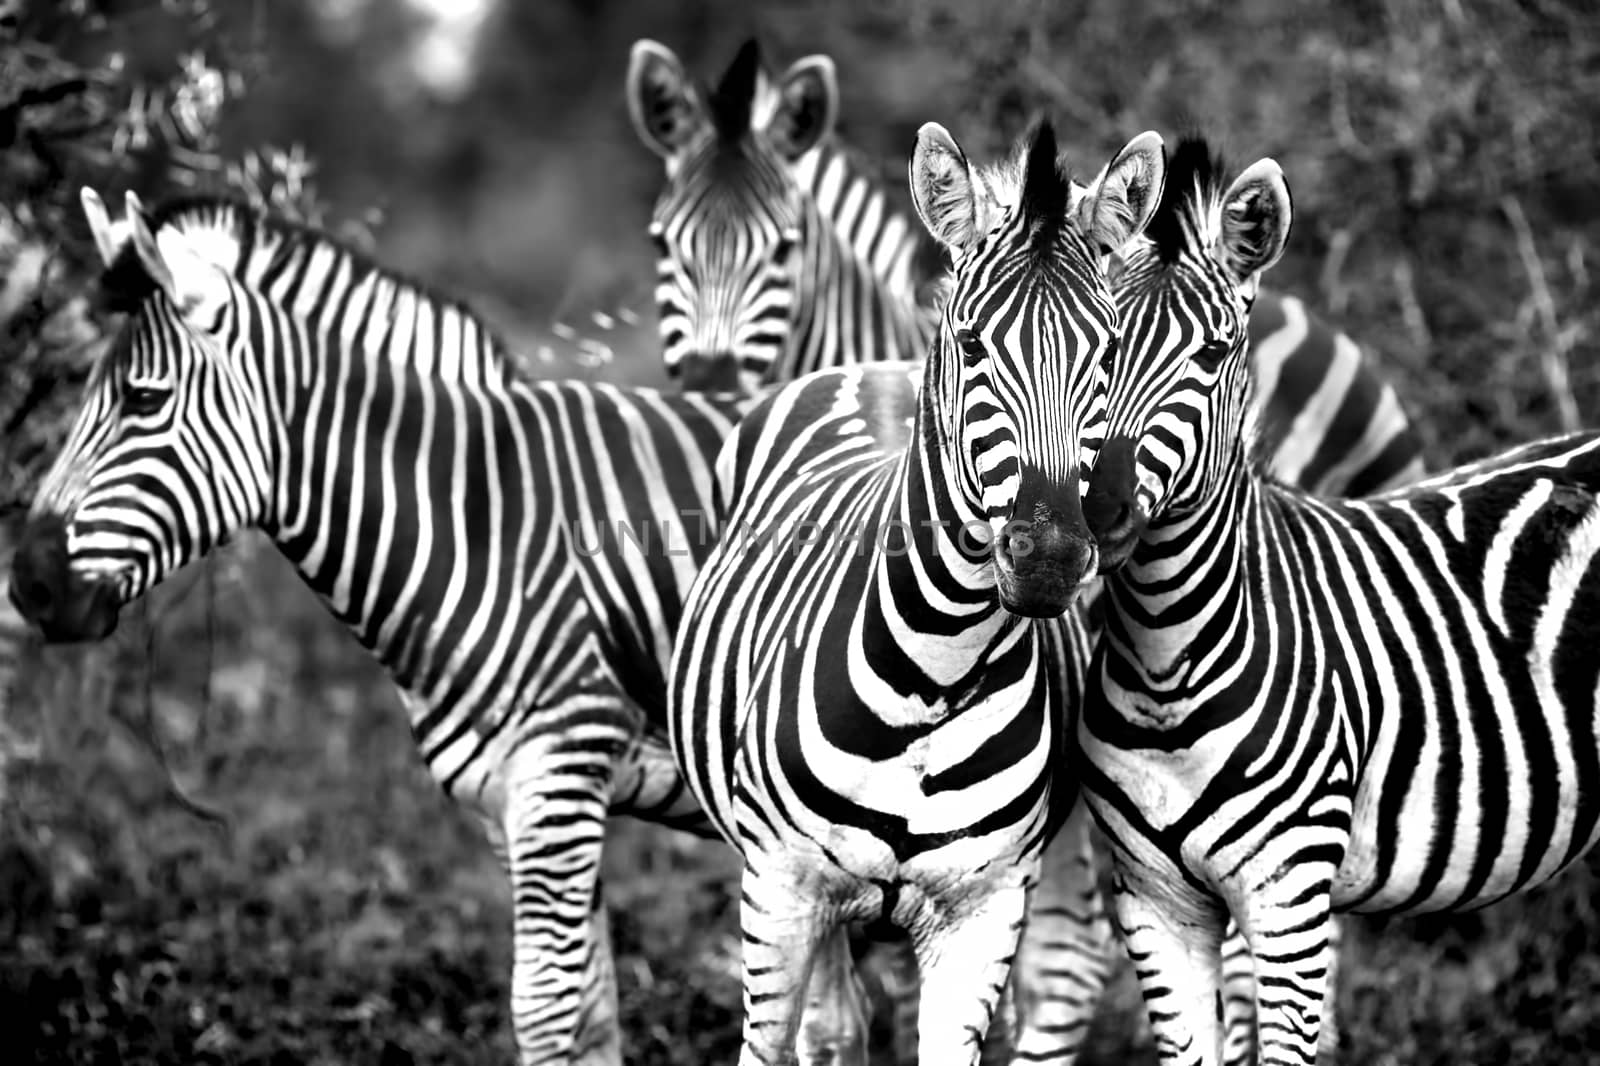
{"points": [[563, 985]]}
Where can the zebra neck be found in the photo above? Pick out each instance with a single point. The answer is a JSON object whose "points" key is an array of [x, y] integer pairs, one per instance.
{"points": [[377, 499], [930, 626], [1184, 608]]}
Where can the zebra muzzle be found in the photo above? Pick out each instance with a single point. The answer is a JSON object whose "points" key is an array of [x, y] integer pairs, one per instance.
{"points": [[64, 606], [710, 372], [1041, 567], [1109, 506]]}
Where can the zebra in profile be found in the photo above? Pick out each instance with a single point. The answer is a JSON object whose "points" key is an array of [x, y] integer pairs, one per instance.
{"points": [[1303, 705], [861, 697], [516, 555], [780, 253]]}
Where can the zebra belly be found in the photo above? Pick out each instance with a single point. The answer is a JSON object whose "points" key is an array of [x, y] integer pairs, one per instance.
{"points": [[1429, 834]]}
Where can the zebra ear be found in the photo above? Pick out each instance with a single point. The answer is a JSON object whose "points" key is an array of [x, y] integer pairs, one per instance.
{"points": [[1126, 193], [195, 286], [108, 239], [943, 188], [664, 104], [807, 106], [1256, 213]]}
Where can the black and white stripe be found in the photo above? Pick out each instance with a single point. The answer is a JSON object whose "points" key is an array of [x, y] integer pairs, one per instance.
{"points": [[1303, 705]]}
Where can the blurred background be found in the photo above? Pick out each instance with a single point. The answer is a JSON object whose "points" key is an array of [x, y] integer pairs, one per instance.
{"points": [[216, 842]]}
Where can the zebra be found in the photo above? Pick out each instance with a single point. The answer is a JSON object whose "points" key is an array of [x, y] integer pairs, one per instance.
{"points": [[861, 697], [1303, 705], [780, 253], [515, 554]]}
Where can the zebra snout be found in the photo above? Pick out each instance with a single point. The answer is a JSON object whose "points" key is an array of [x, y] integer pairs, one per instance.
{"points": [[1042, 564], [1109, 507], [710, 372], [44, 590], [1117, 526]]}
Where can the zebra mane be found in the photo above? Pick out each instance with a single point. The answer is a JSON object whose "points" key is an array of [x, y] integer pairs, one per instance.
{"points": [[731, 101], [1046, 191], [246, 241], [1186, 218]]}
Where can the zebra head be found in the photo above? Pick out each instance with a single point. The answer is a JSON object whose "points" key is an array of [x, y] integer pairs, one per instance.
{"points": [[1017, 373], [165, 458], [727, 226], [1180, 406]]}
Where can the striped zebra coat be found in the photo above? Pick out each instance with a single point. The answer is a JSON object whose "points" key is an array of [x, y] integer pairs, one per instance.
{"points": [[859, 699], [780, 253], [516, 555], [1302, 705]]}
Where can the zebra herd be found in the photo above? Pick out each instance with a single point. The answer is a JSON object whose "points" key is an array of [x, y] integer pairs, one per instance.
{"points": [[1068, 549]]}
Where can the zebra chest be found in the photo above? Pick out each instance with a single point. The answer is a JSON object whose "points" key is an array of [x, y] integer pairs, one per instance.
{"points": [[879, 782]]}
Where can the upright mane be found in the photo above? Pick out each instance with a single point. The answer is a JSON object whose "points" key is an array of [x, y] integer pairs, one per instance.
{"points": [[252, 244], [1186, 219], [731, 101]]}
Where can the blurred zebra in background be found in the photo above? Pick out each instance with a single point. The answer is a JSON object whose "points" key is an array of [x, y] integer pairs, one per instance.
{"points": [[515, 554], [1386, 705], [779, 253]]}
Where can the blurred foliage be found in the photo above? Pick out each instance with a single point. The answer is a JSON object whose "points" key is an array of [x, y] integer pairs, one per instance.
{"points": [[217, 843]]}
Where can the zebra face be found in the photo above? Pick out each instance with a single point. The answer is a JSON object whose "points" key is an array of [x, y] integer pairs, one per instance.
{"points": [[162, 462], [729, 226], [1179, 395], [1020, 366]]}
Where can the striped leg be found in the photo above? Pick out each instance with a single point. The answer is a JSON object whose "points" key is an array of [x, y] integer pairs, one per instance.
{"points": [[966, 965], [1239, 999], [563, 987], [1290, 933], [833, 1025], [782, 930], [1066, 950], [1177, 958]]}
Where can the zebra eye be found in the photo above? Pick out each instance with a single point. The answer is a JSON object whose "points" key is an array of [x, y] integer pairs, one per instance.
{"points": [[1109, 356], [970, 344], [782, 250], [141, 401], [1209, 357]]}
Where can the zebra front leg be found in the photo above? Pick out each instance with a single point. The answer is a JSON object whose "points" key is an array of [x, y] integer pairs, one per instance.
{"points": [[1177, 958], [965, 962], [782, 930], [1294, 965], [833, 1026], [1239, 999], [563, 986], [1066, 952]]}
